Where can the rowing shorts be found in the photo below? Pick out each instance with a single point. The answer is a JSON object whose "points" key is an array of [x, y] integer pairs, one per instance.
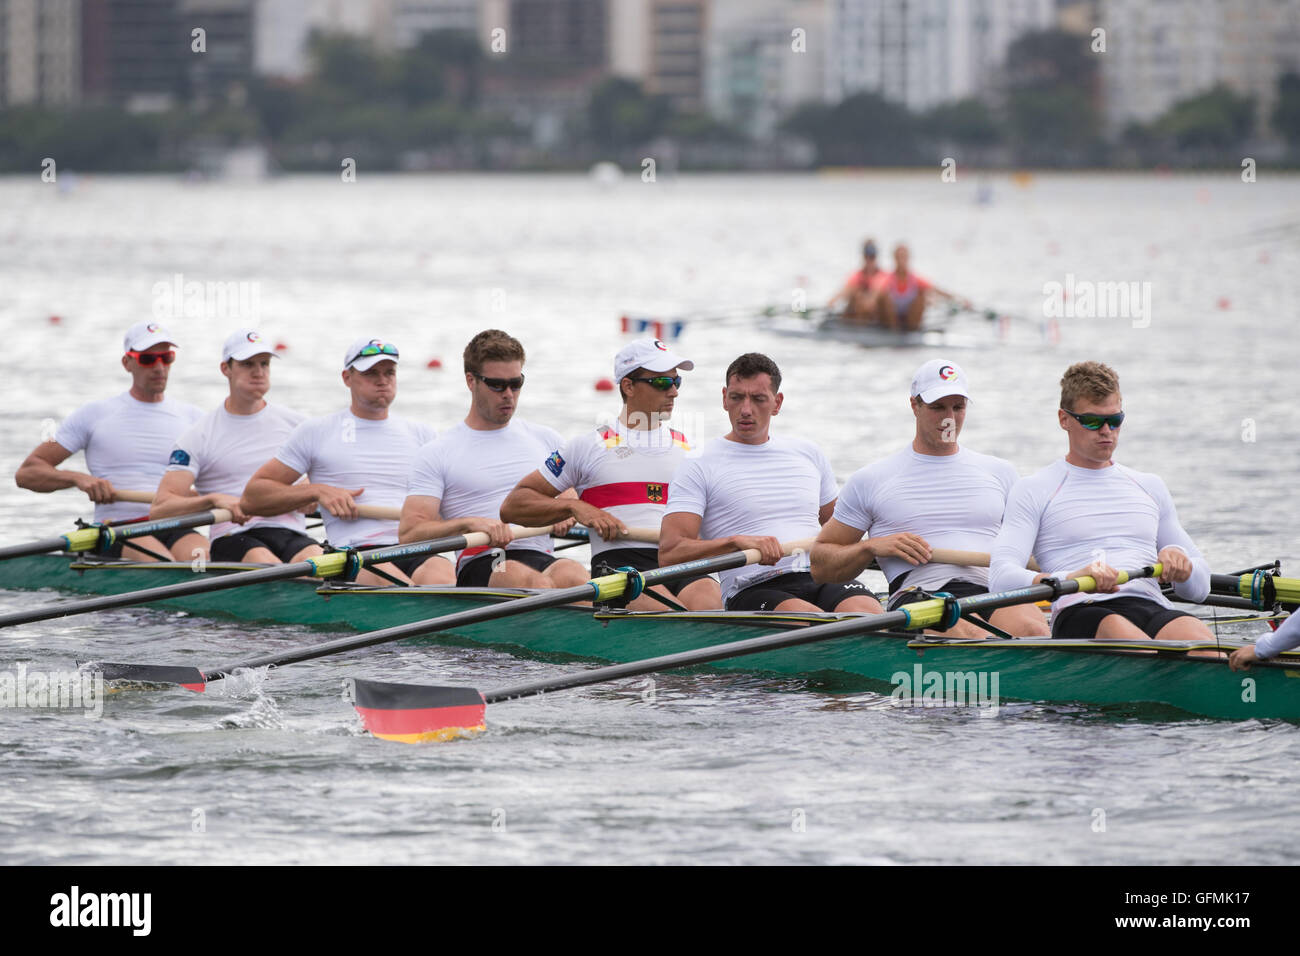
{"points": [[284, 543], [476, 572], [168, 538], [1079, 622], [956, 587], [766, 595], [643, 559]]}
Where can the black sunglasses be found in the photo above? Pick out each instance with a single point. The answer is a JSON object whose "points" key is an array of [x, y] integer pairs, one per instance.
{"points": [[662, 382], [1094, 422], [501, 384]]}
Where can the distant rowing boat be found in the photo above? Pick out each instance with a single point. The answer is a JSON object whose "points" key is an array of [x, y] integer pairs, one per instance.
{"points": [[1086, 672], [829, 326]]}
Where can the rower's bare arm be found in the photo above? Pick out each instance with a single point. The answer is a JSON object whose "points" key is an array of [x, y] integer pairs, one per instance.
{"points": [[40, 471], [422, 520], [176, 496], [679, 541], [535, 503], [840, 554], [272, 491]]}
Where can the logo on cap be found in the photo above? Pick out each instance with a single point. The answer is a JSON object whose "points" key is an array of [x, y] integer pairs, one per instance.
{"points": [[253, 337], [947, 373], [153, 327], [660, 346]]}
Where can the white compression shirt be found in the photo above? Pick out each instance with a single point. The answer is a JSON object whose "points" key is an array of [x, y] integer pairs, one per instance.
{"points": [[126, 441], [350, 452], [1069, 517], [222, 450], [776, 488], [952, 501]]}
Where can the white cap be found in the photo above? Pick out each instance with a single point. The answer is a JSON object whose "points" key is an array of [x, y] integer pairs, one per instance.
{"points": [[937, 378], [649, 354], [243, 344], [384, 352], [145, 335]]}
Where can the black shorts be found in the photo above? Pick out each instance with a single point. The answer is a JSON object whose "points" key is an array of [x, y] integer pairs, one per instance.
{"points": [[476, 572], [168, 538], [956, 587], [643, 559], [284, 543], [766, 595], [1080, 621]]}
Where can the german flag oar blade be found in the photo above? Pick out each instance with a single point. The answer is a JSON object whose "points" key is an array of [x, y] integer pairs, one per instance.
{"points": [[190, 678], [415, 713]]}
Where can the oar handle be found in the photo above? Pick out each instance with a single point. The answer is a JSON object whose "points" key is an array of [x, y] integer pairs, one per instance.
{"points": [[477, 539], [968, 559], [141, 497]]}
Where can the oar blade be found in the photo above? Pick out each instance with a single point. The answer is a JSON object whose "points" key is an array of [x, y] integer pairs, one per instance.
{"points": [[143, 676], [416, 713]]}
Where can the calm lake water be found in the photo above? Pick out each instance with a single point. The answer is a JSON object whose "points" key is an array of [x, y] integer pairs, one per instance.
{"points": [[719, 768]]}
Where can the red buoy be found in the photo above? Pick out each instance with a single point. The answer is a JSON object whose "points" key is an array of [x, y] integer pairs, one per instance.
{"points": [[434, 363], [55, 319], [604, 385], [282, 346], [1224, 303]]}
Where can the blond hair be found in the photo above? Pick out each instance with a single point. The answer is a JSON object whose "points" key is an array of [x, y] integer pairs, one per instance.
{"points": [[1090, 380]]}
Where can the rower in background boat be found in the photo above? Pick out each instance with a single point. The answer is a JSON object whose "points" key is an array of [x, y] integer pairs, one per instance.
{"points": [[1285, 638], [1089, 513], [126, 439], [749, 489], [934, 493], [862, 293], [904, 295], [458, 483], [216, 456], [358, 455], [622, 473]]}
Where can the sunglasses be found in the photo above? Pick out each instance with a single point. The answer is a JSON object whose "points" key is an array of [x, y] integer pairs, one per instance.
{"points": [[372, 349], [149, 358], [501, 384], [662, 382], [1094, 422]]}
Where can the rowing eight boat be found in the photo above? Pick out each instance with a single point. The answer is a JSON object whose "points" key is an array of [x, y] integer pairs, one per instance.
{"points": [[1038, 670]]}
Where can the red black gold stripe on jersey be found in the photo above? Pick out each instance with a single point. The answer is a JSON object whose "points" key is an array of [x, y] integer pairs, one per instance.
{"points": [[626, 493]]}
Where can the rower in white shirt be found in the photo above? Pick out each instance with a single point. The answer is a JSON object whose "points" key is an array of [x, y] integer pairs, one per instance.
{"points": [[1086, 515], [219, 453], [360, 455], [458, 482], [126, 439], [750, 490], [622, 473], [932, 494]]}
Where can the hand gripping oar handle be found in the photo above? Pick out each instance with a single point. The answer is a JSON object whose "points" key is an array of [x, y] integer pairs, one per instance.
{"points": [[101, 537], [324, 566], [919, 615], [379, 512]]}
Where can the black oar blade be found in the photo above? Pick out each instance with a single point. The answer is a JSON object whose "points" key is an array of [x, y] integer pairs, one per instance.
{"points": [[191, 678], [414, 713]]}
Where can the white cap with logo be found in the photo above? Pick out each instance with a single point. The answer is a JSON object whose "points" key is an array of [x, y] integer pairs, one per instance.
{"points": [[649, 354], [364, 354], [938, 378], [244, 344], [145, 335]]}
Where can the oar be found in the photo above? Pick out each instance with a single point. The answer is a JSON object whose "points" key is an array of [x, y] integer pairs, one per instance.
{"points": [[102, 537], [629, 584], [1262, 589], [379, 512], [412, 713], [321, 566]]}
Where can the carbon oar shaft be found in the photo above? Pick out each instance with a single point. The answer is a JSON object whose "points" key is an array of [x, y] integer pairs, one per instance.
{"points": [[920, 615], [611, 585], [88, 538], [326, 565]]}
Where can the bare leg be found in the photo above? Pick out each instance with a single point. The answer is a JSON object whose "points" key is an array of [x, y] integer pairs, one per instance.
{"points": [[259, 555], [701, 595], [436, 571], [859, 604], [1021, 620], [192, 546]]}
